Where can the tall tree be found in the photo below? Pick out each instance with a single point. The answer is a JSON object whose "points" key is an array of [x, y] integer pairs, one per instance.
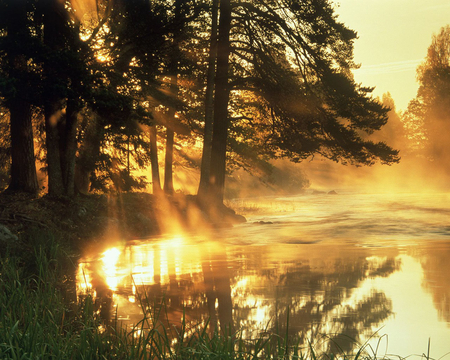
{"points": [[209, 103], [220, 128], [17, 45], [63, 81], [156, 182], [295, 59], [129, 44], [433, 95], [172, 73], [55, 34]]}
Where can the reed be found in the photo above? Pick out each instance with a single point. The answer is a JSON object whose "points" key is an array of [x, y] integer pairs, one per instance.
{"points": [[39, 321]]}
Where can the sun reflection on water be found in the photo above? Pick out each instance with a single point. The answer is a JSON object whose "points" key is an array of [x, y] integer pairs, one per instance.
{"points": [[110, 259], [250, 286], [328, 287]]}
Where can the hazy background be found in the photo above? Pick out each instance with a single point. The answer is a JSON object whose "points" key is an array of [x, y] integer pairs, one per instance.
{"points": [[393, 39]]}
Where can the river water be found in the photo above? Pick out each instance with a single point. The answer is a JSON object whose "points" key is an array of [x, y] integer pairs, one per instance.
{"points": [[372, 268]]}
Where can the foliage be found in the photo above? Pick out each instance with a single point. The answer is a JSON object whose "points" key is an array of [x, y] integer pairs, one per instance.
{"points": [[111, 71], [296, 60], [427, 114]]}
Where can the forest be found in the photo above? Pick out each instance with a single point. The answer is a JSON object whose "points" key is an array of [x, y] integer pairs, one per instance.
{"points": [[112, 96], [94, 91]]}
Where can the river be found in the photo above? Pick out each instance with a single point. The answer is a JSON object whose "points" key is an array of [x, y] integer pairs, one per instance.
{"points": [[368, 267]]}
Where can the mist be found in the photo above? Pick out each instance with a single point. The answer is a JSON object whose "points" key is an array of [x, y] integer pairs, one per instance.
{"points": [[422, 167]]}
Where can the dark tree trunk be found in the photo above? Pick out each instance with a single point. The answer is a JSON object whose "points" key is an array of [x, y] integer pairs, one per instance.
{"points": [[69, 146], [209, 104], [23, 166], [170, 134], [88, 154], [60, 129], [220, 127], [173, 89], [82, 179], [52, 113], [54, 35], [168, 160], [156, 183]]}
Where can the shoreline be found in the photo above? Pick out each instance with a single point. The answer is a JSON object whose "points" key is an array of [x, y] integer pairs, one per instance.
{"points": [[87, 220]]}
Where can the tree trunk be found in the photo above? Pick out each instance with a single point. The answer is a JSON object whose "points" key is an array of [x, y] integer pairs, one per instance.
{"points": [[23, 166], [170, 134], [54, 101], [82, 179], [69, 146], [173, 89], [88, 154], [209, 105], [52, 114], [168, 161], [156, 183], [220, 127]]}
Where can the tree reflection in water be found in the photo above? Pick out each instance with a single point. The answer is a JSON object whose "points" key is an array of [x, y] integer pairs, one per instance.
{"points": [[436, 267], [247, 287]]}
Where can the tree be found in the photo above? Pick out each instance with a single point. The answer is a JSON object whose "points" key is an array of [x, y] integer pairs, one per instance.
{"points": [[55, 78], [17, 45], [280, 85], [60, 95], [146, 40], [156, 182], [209, 104], [172, 74], [127, 39], [221, 98], [433, 95], [295, 60], [413, 119], [66, 80], [393, 133]]}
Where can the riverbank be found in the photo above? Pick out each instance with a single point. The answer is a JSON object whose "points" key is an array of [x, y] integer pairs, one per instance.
{"points": [[90, 219]]}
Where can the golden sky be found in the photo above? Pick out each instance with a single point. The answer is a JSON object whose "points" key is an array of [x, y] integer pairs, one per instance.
{"points": [[393, 39]]}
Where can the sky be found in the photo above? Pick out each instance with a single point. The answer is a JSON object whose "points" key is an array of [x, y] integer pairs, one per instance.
{"points": [[393, 38]]}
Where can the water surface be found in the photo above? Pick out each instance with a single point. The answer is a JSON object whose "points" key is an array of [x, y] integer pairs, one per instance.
{"points": [[366, 267]]}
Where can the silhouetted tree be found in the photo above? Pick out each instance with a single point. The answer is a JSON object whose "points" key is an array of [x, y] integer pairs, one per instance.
{"points": [[221, 98], [129, 44], [64, 72], [18, 46], [294, 60], [209, 103], [145, 47]]}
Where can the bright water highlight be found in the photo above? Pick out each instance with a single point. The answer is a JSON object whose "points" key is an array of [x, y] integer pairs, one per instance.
{"points": [[348, 267]]}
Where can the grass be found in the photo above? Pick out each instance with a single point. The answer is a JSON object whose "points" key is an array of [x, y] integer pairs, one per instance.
{"points": [[41, 319]]}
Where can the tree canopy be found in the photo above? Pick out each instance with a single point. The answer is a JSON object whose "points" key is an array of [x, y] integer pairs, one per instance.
{"points": [[271, 78], [428, 113]]}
